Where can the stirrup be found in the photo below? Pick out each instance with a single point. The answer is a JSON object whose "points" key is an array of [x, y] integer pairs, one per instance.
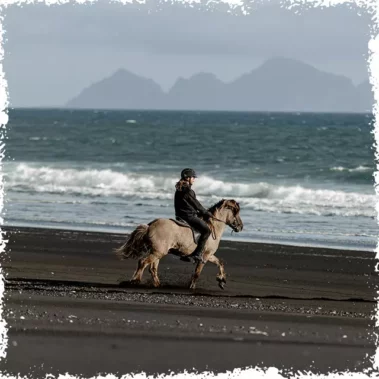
{"points": [[185, 258], [198, 258]]}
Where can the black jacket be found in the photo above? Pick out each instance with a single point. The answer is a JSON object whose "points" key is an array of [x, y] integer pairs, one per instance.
{"points": [[186, 204]]}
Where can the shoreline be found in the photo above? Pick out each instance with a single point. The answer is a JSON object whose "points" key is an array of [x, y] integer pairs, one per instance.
{"points": [[268, 241]]}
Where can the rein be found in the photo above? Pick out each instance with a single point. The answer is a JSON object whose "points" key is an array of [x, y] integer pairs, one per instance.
{"points": [[214, 218], [213, 231]]}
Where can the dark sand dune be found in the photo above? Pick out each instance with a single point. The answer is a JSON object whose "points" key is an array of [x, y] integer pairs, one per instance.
{"points": [[290, 307]]}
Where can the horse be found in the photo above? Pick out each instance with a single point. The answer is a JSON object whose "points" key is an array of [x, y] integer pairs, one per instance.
{"points": [[149, 243]]}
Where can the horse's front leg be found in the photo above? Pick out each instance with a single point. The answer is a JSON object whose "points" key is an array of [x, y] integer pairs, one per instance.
{"points": [[195, 276], [221, 277]]}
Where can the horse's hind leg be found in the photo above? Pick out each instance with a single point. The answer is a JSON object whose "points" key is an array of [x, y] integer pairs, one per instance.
{"points": [[221, 277], [154, 273], [142, 264], [196, 275]]}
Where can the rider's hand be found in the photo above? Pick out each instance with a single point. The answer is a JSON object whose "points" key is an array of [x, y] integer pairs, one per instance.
{"points": [[208, 215]]}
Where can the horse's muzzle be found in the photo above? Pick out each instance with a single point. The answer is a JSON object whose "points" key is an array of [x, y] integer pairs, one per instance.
{"points": [[237, 228]]}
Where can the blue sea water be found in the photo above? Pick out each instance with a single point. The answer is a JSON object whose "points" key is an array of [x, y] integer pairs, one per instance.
{"points": [[304, 179]]}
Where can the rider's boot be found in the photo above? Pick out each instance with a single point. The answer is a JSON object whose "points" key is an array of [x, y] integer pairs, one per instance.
{"points": [[185, 258], [197, 254]]}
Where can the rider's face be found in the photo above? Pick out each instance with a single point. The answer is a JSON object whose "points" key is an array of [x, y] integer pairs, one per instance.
{"points": [[191, 180]]}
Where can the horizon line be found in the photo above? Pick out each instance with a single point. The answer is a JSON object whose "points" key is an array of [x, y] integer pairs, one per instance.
{"points": [[62, 108]]}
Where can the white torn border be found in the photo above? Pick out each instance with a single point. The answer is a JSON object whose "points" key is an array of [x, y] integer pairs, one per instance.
{"points": [[371, 6]]}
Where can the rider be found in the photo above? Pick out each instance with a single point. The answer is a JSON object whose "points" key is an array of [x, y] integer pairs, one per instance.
{"points": [[188, 208]]}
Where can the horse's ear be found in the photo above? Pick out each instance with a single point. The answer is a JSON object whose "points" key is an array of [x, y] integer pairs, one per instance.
{"points": [[235, 205], [238, 206], [227, 203]]}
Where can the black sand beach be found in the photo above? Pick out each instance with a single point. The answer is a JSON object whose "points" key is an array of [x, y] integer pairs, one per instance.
{"points": [[296, 308]]}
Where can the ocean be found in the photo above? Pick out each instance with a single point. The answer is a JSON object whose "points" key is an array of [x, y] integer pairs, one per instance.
{"points": [[301, 179]]}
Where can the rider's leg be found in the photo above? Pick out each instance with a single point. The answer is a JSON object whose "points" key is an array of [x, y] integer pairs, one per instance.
{"points": [[203, 228]]}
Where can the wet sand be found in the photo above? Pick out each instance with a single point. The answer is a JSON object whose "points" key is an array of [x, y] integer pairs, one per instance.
{"points": [[294, 308]]}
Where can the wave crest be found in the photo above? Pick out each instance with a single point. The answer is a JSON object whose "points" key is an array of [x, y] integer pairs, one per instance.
{"points": [[254, 196]]}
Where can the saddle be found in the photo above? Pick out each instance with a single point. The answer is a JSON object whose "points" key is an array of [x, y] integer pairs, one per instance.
{"points": [[195, 233]]}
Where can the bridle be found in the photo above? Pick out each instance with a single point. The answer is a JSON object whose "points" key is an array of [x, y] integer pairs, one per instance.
{"points": [[213, 231]]}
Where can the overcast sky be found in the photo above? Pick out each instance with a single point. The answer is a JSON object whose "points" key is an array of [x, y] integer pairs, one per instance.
{"points": [[52, 53]]}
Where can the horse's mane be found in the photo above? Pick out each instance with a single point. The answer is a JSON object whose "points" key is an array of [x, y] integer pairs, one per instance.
{"points": [[216, 206]]}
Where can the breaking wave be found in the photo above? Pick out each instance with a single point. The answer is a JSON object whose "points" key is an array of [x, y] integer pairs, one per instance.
{"points": [[254, 196]]}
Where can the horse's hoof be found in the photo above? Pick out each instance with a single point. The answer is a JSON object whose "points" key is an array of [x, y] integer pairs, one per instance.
{"points": [[221, 282]]}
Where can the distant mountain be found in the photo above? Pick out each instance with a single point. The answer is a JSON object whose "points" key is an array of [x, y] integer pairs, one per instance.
{"points": [[200, 92], [288, 85], [280, 84], [122, 90]]}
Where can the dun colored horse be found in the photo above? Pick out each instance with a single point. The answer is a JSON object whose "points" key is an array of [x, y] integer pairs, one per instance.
{"points": [[149, 243]]}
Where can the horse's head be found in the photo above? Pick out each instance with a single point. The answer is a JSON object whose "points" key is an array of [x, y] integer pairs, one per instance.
{"points": [[231, 210]]}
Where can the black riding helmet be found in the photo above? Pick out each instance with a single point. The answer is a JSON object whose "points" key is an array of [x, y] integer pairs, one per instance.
{"points": [[188, 173]]}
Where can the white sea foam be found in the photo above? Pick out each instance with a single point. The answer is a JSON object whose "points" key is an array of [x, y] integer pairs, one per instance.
{"points": [[355, 169], [254, 196]]}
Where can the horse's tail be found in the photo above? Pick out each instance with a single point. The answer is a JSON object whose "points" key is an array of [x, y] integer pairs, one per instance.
{"points": [[136, 245]]}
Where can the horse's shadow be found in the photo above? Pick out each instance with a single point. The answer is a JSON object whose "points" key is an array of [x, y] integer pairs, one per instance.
{"points": [[130, 284], [149, 286]]}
